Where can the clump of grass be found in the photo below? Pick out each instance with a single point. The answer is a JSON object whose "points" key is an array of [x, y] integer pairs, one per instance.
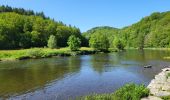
{"points": [[166, 98], [168, 75], [35, 53], [167, 58], [40, 53], [127, 92]]}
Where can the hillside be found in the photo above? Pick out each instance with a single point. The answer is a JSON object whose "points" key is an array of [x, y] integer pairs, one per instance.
{"points": [[110, 32], [151, 31], [25, 29], [102, 29]]}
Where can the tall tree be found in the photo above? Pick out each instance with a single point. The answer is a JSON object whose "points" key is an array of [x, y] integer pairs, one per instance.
{"points": [[74, 43], [52, 42]]}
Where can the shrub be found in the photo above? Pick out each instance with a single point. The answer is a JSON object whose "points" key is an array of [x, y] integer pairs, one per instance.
{"points": [[34, 53], [166, 98], [74, 43], [127, 92], [118, 44], [52, 42], [99, 41]]}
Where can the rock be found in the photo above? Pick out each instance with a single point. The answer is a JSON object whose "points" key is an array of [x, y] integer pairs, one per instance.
{"points": [[163, 93], [154, 91], [166, 87], [168, 80], [160, 86], [166, 69], [151, 98], [148, 66]]}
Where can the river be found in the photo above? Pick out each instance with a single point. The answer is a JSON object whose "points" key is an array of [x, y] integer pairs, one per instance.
{"points": [[61, 78]]}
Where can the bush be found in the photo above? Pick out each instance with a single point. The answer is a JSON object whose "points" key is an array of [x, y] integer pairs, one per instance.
{"points": [[99, 41], [127, 92], [35, 53], [74, 43], [166, 98], [52, 42], [118, 44]]}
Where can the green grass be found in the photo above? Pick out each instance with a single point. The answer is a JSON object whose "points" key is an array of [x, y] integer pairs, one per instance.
{"points": [[127, 92], [166, 98], [168, 75], [40, 53], [167, 58]]}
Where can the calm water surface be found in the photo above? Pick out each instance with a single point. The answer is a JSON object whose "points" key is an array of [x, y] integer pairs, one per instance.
{"points": [[61, 78]]}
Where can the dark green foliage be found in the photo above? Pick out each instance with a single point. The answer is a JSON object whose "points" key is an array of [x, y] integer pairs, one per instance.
{"points": [[127, 92], [21, 11], [52, 42], [74, 43], [99, 41]]}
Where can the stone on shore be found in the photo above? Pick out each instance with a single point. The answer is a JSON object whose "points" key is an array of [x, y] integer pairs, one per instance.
{"points": [[160, 86], [151, 98]]}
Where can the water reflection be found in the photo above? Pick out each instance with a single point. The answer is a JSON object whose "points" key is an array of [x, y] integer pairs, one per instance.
{"points": [[68, 77], [22, 76]]}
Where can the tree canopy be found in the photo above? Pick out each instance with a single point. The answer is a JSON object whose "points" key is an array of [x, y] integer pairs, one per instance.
{"points": [[20, 28], [151, 32], [74, 43], [23, 31], [52, 42], [99, 41]]}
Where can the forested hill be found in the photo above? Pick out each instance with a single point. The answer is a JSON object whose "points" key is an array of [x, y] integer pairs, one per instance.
{"points": [[151, 31], [25, 31], [20, 28], [103, 29], [21, 11]]}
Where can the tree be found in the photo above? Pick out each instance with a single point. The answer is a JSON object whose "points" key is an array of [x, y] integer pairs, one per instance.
{"points": [[140, 41], [118, 44], [52, 42], [99, 41], [74, 43]]}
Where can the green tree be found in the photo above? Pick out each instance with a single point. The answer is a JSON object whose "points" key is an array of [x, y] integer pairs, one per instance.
{"points": [[99, 41], [140, 41], [74, 43], [118, 44], [52, 42]]}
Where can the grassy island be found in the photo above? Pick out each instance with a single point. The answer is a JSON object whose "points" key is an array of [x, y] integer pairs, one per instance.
{"points": [[42, 53]]}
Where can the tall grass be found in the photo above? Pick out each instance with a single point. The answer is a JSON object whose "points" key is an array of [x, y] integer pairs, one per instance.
{"points": [[39, 53], [127, 92]]}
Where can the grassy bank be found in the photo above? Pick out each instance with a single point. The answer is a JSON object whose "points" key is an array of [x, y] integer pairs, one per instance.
{"points": [[127, 92], [6, 55]]}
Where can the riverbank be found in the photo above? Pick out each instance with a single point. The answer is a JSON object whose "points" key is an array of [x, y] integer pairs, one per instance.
{"points": [[160, 86], [34, 53], [126, 92]]}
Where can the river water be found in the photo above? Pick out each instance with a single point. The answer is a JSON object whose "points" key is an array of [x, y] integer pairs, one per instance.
{"points": [[62, 78]]}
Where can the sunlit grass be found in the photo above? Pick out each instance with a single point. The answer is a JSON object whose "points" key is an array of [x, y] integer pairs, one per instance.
{"points": [[168, 58], [127, 92], [158, 48], [37, 52]]}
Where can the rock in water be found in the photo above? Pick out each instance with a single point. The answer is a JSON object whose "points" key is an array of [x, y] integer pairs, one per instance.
{"points": [[148, 66]]}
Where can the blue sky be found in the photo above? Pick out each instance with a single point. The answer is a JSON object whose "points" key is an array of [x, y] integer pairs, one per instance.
{"points": [[87, 14]]}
